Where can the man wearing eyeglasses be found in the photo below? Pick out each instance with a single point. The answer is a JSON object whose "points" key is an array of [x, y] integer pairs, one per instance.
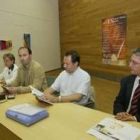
{"points": [[127, 103]]}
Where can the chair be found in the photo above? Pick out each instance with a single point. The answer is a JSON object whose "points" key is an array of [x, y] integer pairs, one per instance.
{"points": [[92, 99], [50, 81]]}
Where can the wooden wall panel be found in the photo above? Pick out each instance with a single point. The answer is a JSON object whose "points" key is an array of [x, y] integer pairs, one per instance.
{"points": [[81, 30]]}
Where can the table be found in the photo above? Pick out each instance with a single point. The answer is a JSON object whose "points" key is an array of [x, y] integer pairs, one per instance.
{"points": [[66, 121]]}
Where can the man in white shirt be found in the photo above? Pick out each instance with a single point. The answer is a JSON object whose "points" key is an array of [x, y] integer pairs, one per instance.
{"points": [[10, 71], [73, 83]]}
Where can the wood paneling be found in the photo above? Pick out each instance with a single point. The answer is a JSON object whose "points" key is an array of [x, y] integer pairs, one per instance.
{"points": [[81, 30], [106, 92]]}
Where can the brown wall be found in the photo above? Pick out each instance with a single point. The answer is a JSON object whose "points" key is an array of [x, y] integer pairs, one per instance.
{"points": [[81, 30]]}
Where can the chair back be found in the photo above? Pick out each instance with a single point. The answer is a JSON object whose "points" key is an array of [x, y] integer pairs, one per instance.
{"points": [[50, 80], [92, 99]]}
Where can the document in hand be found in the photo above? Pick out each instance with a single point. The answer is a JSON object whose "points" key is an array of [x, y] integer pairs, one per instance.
{"points": [[111, 129], [26, 114], [38, 95]]}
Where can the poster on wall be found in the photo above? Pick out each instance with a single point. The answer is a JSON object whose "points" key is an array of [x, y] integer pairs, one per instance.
{"points": [[27, 41], [114, 40], [5, 45]]}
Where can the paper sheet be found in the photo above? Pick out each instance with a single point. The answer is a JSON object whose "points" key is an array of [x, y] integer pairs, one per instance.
{"points": [[38, 95], [26, 109], [112, 129], [36, 92]]}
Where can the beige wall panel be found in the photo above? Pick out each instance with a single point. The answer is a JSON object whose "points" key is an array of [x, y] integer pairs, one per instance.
{"points": [[81, 30]]}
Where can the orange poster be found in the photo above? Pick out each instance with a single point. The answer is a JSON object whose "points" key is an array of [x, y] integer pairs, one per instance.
{"points": [[114, 40]]}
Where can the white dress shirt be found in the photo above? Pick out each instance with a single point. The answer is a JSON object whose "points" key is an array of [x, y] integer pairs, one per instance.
{"points": [[70, 83]]}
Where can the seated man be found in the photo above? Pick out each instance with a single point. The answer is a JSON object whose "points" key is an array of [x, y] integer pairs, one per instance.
{"points": [[10, 71], [29, 73], [73, 83], [127, 103]]}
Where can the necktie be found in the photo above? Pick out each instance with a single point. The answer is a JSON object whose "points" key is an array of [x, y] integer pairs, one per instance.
{"points": [[136, 96]]}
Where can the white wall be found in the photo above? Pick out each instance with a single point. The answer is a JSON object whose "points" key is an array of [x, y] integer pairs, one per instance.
{"points": [[39, 18]]}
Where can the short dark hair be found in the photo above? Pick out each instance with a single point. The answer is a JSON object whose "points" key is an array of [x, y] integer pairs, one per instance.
{"points": [[75, 57], [10, 56], [28, 49]]}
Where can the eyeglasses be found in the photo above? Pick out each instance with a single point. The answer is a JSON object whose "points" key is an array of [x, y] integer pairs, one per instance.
{"points": [[133, 62]]}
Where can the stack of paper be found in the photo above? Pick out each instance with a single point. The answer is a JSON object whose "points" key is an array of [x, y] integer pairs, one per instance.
{"points": [[111, 129], [26, 114]]}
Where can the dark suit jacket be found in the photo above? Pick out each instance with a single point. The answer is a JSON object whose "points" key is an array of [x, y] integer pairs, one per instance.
{"points": [[122, 100]]}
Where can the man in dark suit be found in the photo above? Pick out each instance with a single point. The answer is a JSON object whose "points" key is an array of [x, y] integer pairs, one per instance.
{"points": [[127, 103]]}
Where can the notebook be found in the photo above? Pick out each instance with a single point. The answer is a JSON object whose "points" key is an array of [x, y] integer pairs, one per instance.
{"points": [[38, 95], [26, 114]]}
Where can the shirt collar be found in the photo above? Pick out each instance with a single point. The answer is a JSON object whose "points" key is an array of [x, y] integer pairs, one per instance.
{"points": [[137, 79], [11, 68], [75, 71]]}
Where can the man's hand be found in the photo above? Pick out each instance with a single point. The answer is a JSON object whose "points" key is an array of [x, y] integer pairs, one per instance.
{"points": [[2, 81], [12, 90], [129, 118], [121, 115], [51, 97], [5, 90], [124, 116]]}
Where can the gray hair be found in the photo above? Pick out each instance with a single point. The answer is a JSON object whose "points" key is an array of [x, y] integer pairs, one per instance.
{"points": [[136, 51]]}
